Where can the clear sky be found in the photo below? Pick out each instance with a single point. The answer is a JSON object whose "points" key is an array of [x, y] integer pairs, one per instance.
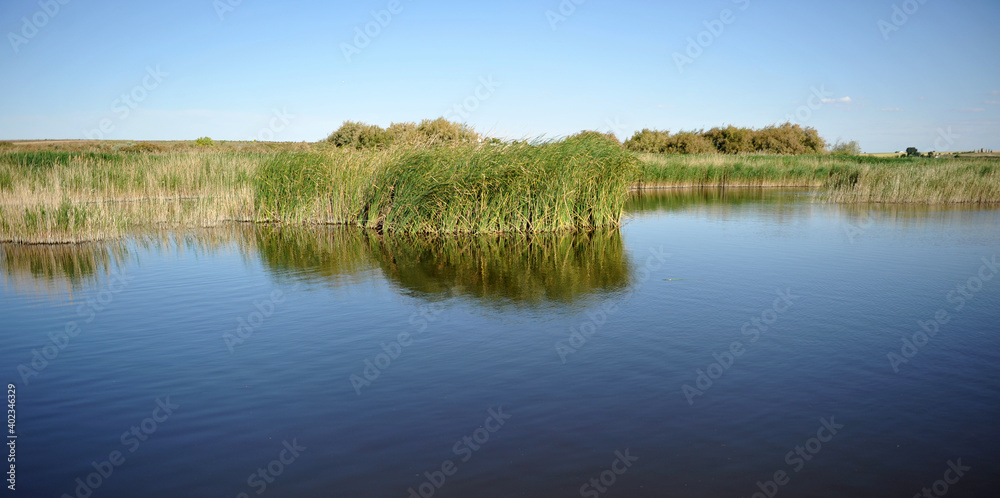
{"points": [[295, 70]]}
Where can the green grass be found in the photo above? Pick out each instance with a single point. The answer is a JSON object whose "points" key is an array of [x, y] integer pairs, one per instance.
{"points": [[576, 184], [462, 188], [842, 178]]}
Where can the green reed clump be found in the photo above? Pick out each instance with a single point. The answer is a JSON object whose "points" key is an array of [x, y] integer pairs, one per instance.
{"points": [[572, 184], [288, 183], [461, 188], [919, 180]]}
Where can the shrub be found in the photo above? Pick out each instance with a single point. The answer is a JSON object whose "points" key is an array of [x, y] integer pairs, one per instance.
{"points": [[442, 130], [648, 141], [595, 135], [788, 139], [204, 142], [731, 140], [403, 133], [348, 135], [142, 147], [846, 148], [689, 142], [366, 136]]}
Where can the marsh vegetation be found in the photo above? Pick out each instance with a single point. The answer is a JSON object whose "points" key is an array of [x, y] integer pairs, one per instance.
{"points": [[435, 177]]}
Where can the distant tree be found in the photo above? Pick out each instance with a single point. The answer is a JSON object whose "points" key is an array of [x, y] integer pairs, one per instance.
{"points": [[912, 152], [731, 140], [590, 134], [847, 148], [648, 141], [931, 154], [689, 142], [441, 130]]}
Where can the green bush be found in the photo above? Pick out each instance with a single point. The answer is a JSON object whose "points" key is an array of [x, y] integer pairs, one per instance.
{"points": [[647, 140], [731, 140], [689, 142], [142, 147], [366, 136], [595, 135], [204, 142], [441, 130], [788, 139], [846, 148], [783, 139]]}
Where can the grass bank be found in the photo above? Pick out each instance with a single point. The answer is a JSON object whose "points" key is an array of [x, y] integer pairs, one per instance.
{"points": [[75, 194], [49, 196], [847, 179]]}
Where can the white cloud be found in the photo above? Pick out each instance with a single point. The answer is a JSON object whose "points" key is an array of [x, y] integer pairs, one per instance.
{"points": [[993, 102], [842, 100], [972, 109], [995, 92], [891, 109]]}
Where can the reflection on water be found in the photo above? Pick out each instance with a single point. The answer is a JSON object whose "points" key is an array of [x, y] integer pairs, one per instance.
{"points": [[678, 199], [63, 268], [494, 269], [783, 207], [540, 268], [858, 295]]}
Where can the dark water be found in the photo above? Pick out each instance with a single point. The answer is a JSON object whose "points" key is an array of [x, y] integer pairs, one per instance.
{"points": [[331, 362]]}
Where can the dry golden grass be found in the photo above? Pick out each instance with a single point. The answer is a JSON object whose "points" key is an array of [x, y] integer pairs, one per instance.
{"points": [[74, 197]]}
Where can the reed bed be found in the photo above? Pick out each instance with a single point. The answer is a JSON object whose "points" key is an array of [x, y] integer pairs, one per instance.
{"points": [[847, 179], [577, 184], [66, 197], [569, 185]]}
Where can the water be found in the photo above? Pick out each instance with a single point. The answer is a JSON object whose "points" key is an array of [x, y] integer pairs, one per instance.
{"points": [[240, 357]]}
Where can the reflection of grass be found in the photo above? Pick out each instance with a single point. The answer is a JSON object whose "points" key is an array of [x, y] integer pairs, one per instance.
{"points": [[494, 269], [679, 198], [52, 266], [311, 252], [512, 268]]}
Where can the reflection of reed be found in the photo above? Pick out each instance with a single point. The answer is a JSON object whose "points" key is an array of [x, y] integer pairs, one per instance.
{"points": [[519, 269], [495, 269], [50, 269], [513, 268], [313, 253], [673, 199]]}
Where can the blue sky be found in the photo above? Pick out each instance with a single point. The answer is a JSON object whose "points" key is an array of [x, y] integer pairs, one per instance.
{"points": [[232, 69]]}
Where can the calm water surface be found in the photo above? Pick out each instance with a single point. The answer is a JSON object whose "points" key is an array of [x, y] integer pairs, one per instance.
{"points": [[719, 344]]}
